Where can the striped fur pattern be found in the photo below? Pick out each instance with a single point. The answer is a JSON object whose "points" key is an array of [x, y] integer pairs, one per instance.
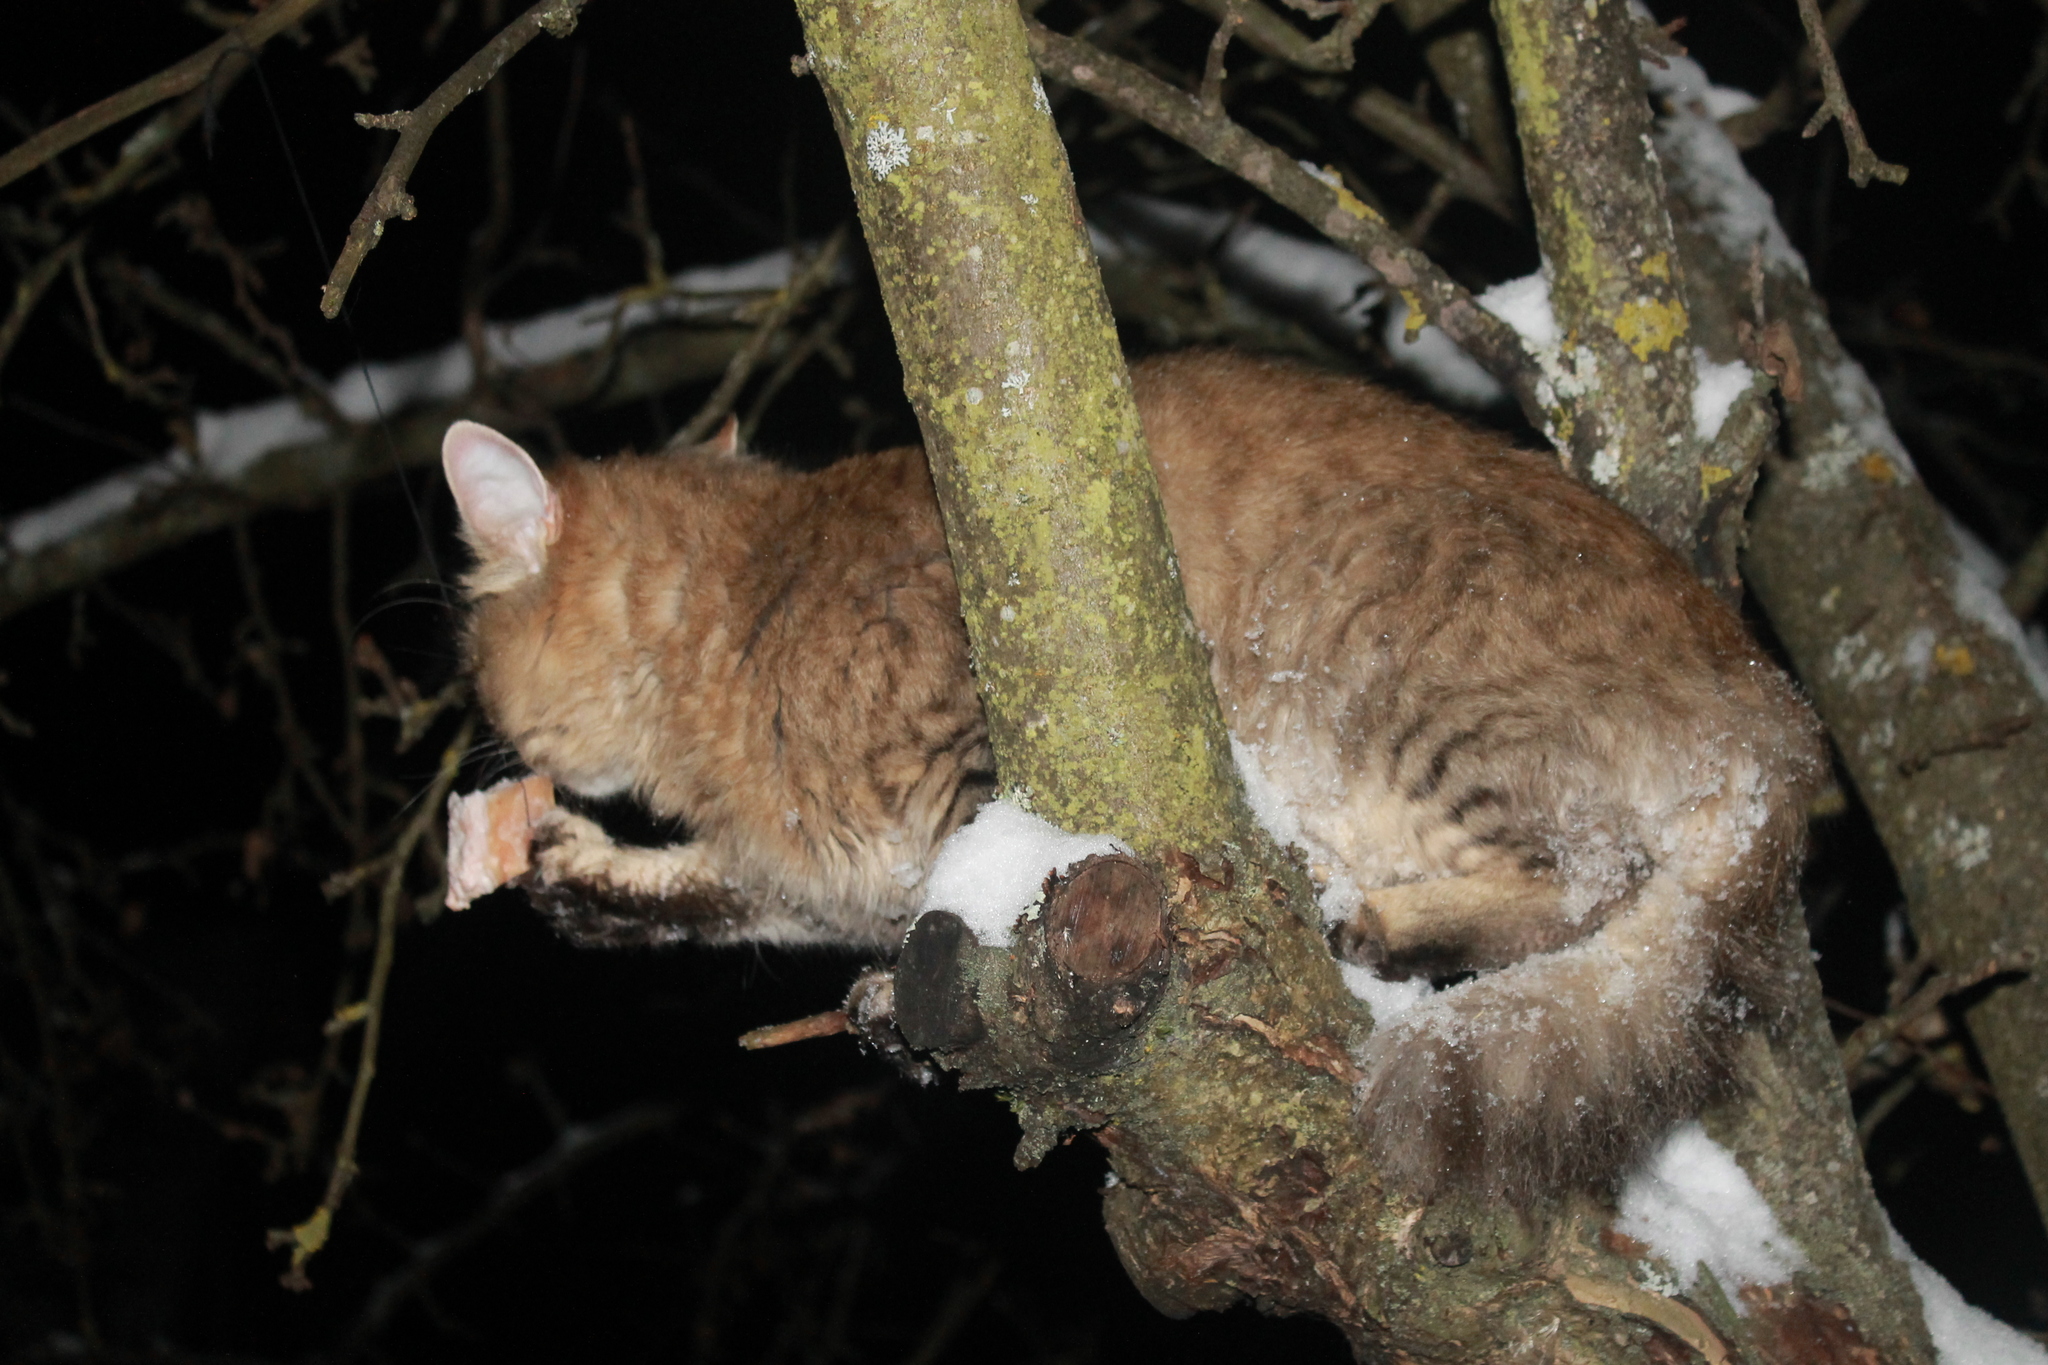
{"points": [[1515, 736]]}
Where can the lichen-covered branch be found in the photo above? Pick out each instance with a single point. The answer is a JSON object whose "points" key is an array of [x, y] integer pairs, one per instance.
{"points": [[1939, 711], [1096, 685], [1621, 394]]}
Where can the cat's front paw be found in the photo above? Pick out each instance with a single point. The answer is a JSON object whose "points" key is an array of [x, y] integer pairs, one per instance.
{"points": [[570, 849]]}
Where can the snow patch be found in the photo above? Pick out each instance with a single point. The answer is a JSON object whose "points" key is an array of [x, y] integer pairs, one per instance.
{"points": [[1977, 576], [993, 868], [1963, 1335], [231, 441], [1524, 305], [1437, 362], [1694, 1206], [1715, 392], [1388, 1000]]}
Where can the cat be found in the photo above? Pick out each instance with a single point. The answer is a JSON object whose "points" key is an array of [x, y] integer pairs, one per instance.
{"points": [[1515, 735]]}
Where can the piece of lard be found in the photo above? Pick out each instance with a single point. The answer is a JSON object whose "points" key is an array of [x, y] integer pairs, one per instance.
{"points": [[490, 835]]}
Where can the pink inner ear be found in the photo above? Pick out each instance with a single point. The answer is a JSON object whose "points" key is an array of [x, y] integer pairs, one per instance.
{"points": [[506, 504]]}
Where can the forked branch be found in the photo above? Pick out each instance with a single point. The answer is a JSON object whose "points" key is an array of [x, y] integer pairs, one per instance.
{"points": [[389, 198]]}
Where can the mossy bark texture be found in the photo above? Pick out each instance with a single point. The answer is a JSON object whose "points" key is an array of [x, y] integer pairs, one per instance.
{"points": [[1095, 681], [1620, 383]]}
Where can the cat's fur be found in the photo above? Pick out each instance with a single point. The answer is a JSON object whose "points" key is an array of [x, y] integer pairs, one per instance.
{"points": [[1515, 731]]}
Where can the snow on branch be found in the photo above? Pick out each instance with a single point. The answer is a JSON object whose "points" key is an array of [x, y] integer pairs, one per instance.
{"points": [[274, 454]]}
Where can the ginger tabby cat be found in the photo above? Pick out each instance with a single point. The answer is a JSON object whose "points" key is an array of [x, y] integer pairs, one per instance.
{"points": [[1519, 737]]}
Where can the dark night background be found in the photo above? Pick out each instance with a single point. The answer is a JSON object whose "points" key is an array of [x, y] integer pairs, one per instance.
{"points": [[168, 959]]}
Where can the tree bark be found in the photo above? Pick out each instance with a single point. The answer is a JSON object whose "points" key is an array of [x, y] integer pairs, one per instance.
{"points": [[1621, 380]]}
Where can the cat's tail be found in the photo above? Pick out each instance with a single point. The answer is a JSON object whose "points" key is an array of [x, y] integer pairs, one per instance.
{"points": [[1560, 1070]]}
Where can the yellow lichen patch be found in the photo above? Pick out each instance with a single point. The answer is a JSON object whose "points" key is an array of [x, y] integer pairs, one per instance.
{"points": [[1878, 469], [1712, 475], [1954, 660], [1647, 325], [1658, 265], [1416, 319]]}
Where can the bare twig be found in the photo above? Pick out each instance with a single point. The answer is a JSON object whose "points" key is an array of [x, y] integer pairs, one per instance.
{"points": [[1272, 35], [797, 1030], [821, 337], [172, 81], [150, 290], [1212, 70], [2028, 581], [1863, 163], [1873, 1033], [268, 658], [1330, 209], [389, 199], [306, 1239], [803, 283], [29, 291], [1408, 129], [578, 1144]]}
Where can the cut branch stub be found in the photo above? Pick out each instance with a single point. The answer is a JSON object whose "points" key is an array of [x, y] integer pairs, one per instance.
{"points": [[1106, 951], [934, 1000]]}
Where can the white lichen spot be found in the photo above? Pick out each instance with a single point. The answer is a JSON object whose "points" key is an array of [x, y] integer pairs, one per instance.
{"points": [[1015, 380], [887, 150], [1965, 845], [1008, 613], [1917, 654], [925, 133], [974, 398], [1038, 99], [1029, 198], [1858, 661], [1607, 466]]}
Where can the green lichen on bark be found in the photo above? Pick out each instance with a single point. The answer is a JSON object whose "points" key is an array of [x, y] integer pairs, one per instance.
{"points": [[1094, 679], [1622, 381]]}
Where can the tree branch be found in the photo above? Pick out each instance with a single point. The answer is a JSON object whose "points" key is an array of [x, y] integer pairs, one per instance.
{"points": [[169, 83], [1863, 163], [389, 199], [1328, 208]]}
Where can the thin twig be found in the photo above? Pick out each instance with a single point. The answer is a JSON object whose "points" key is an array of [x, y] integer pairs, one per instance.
{"points": [[306, 1239], [1330, 209], [578, 1144], [268, 657], [1272, 35], [142, 388], [1408, 129], [1863, 163], [797, 1030], [388, 199], [29, 291], [803, 283], [1882, 1029], [72, 1245], [1212, 70], [169, 83], [150, 290], [819, 338]]}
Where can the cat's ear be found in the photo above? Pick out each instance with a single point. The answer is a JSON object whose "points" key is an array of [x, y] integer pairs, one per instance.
{"points": [[726, 440], [509, 513]]}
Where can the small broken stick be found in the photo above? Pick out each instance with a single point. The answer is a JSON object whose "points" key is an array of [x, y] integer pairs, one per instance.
{"points": [[490, 835]]}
